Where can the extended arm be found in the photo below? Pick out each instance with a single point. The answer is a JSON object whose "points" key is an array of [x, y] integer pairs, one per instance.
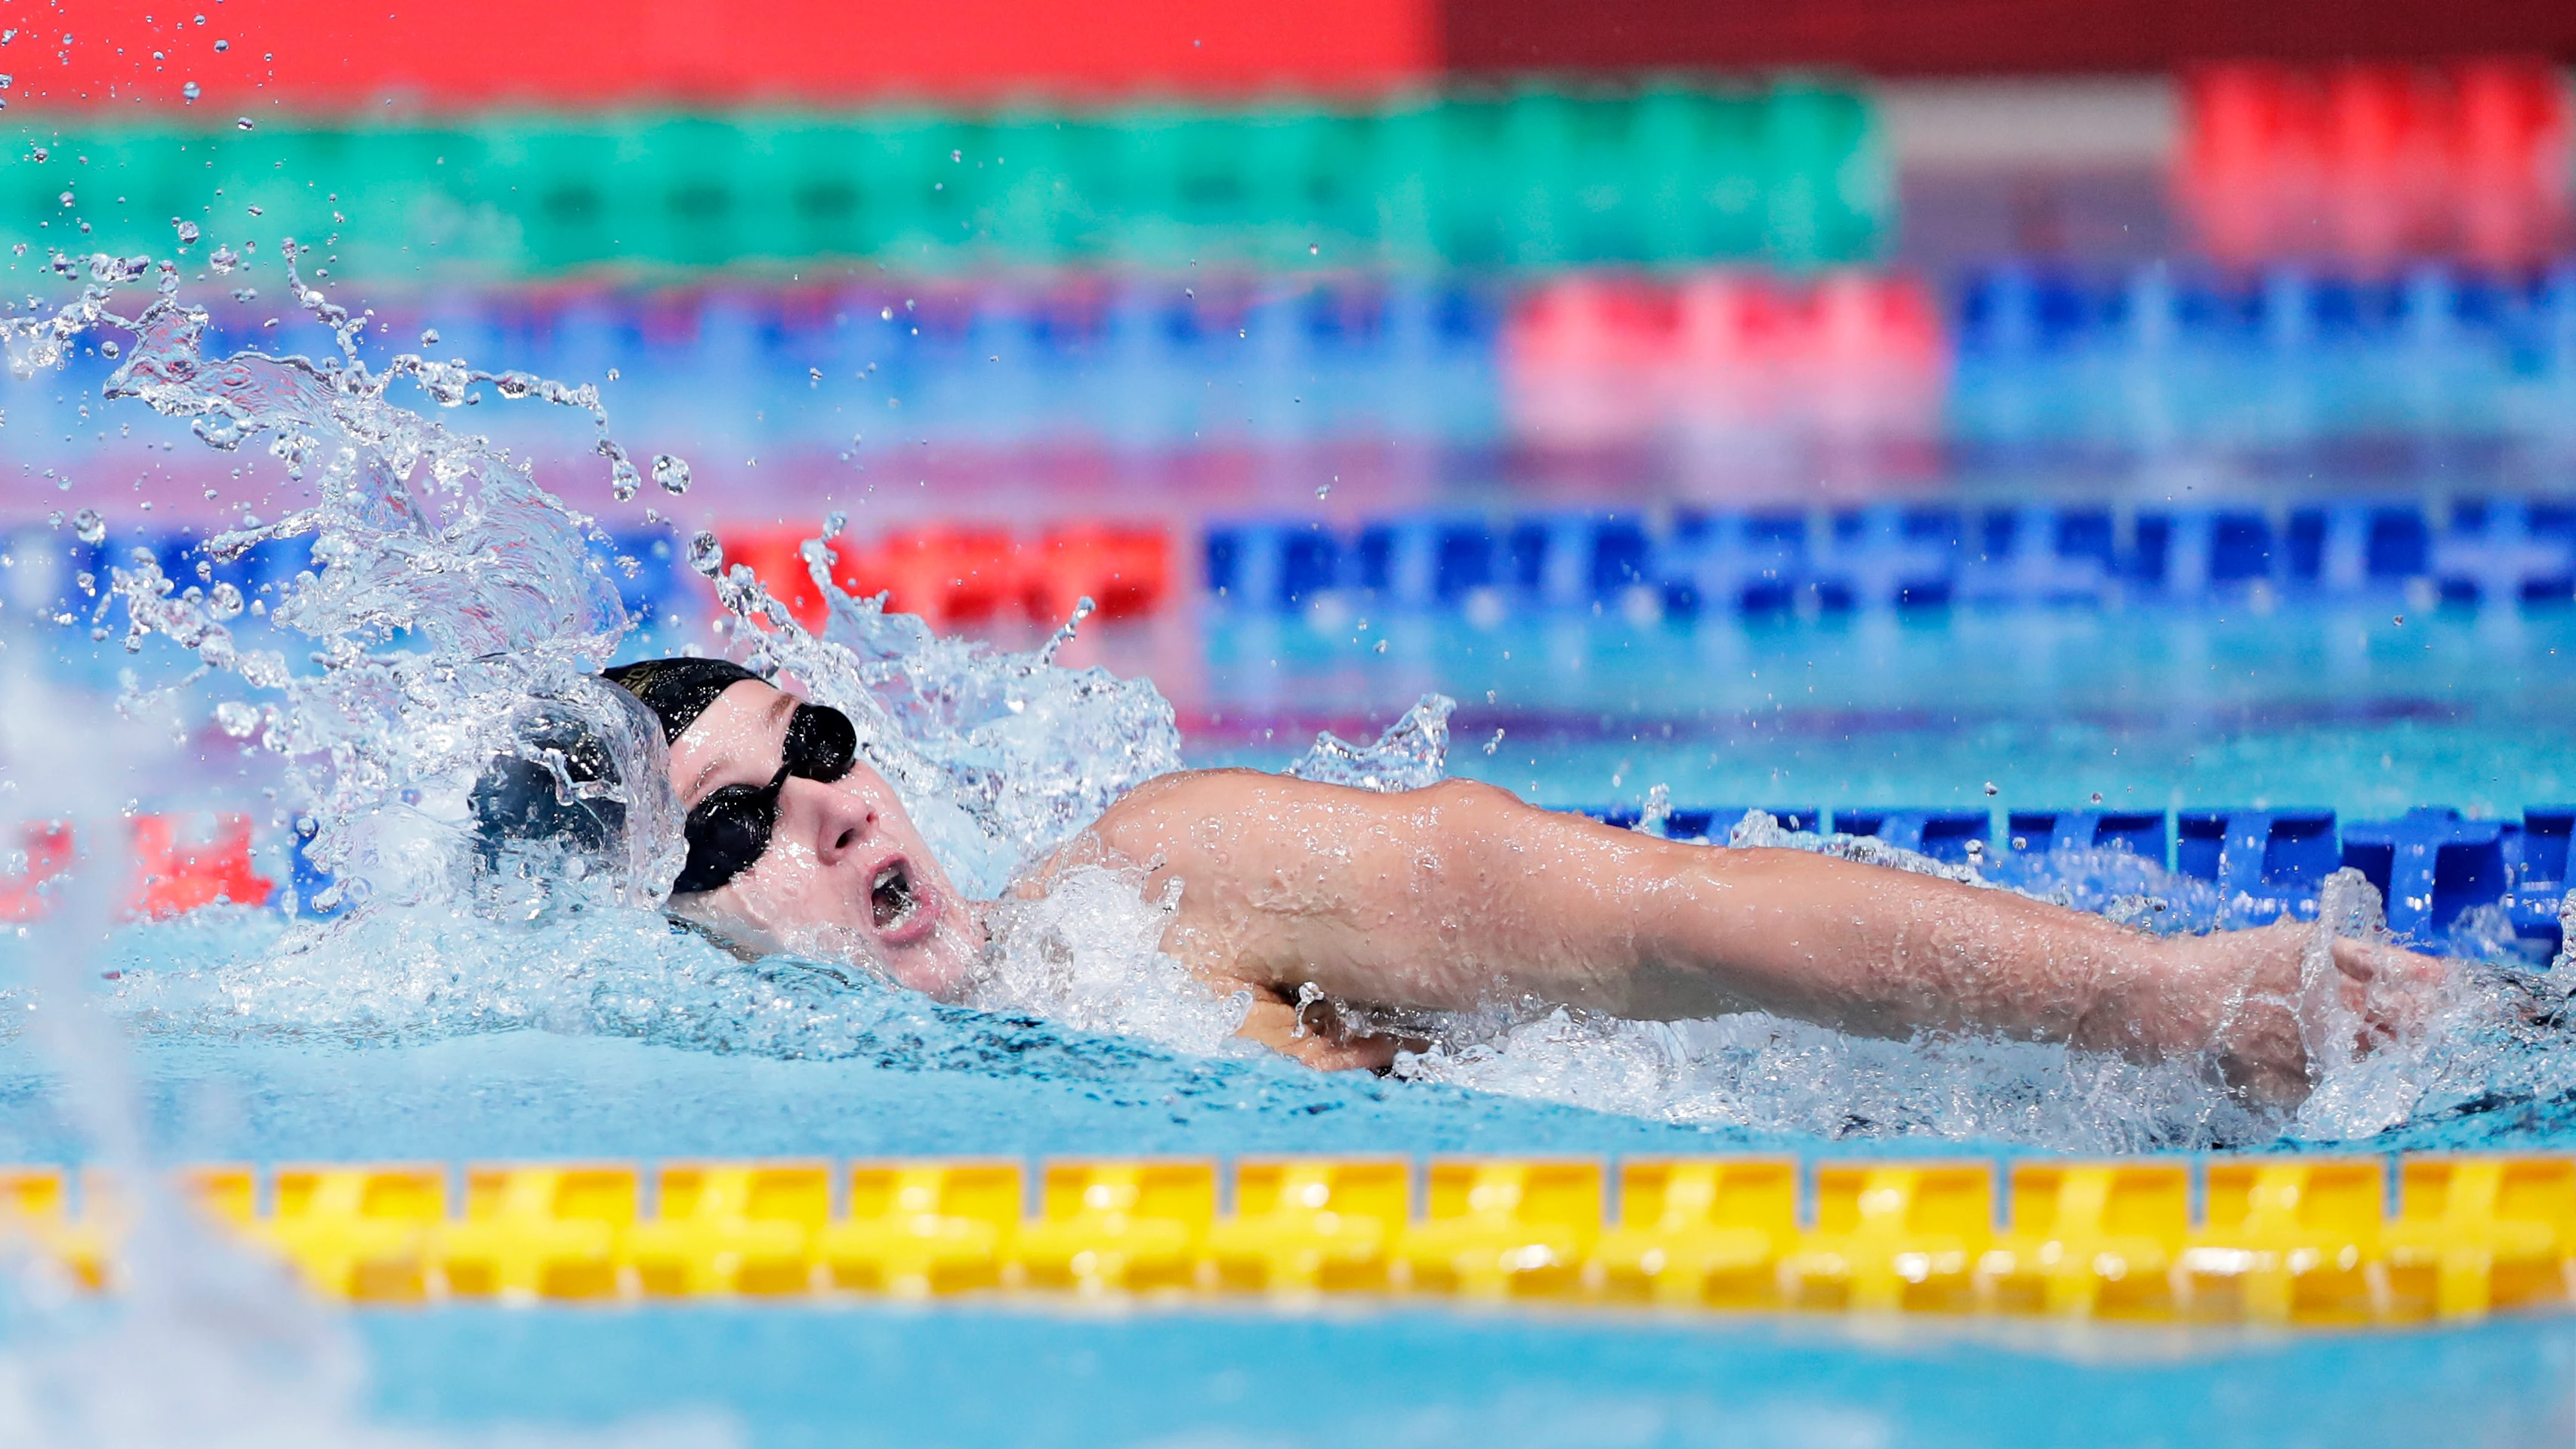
{"points": [[1461, 895]]}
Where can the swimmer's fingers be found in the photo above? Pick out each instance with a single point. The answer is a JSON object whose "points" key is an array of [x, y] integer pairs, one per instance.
{"points": [[1274, 1024], [2392, 991]]}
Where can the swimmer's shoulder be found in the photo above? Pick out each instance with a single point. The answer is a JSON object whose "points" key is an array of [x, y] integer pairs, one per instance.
{"points": [[1179, 796]]}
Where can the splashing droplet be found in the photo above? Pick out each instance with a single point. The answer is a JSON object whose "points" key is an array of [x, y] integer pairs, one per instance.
{"points": [[244, 123], [187, 231], [224, 260], [1990, 787], [108, 348], [190, 92], [225, 602], [705, 554], [672, 472], [89, 527], [623, 480], [222, 45]]}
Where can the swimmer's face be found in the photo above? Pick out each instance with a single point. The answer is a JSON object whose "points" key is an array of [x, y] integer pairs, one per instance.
{"points": [[846, 875]]}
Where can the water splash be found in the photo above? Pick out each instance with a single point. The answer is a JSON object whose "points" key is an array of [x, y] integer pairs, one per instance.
{"points": [[1001, 757], [203, 1343], [1411, 753], [1089, 954], [451, 593], [447, 587]]}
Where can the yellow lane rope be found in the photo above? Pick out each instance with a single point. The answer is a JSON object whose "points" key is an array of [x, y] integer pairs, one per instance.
{"points": [[2265, 1240]]}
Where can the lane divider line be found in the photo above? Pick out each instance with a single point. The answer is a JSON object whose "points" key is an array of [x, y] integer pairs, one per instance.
{"points": [[2286, 1241]]}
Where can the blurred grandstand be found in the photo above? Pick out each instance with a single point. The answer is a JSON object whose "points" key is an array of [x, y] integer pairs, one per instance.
{"points": [[1128, 267]]}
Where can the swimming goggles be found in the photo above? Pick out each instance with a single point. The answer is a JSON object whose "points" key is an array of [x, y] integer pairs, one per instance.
{"points": [[730, 829]]}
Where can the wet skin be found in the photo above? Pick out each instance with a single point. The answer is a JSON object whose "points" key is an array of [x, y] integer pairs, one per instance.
{"points": [[1461, 895], [846, 875]]}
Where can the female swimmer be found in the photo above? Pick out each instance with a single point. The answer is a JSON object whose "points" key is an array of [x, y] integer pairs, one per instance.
{"points": [[1460, 895]]}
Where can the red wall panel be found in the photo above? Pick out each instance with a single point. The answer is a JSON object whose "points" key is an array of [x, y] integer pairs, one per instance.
{"points": [[308, 54], [1932, 37]]}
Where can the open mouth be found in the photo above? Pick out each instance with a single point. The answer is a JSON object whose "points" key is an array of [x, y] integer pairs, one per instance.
{"points": [[890, 897]]}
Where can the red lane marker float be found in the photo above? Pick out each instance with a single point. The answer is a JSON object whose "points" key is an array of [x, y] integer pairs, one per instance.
{"points": [[171, 876], [965, 574], [48, 846], [174, 876], [770, 554], [1592, 359], [2377, 163], [1124, 569]]}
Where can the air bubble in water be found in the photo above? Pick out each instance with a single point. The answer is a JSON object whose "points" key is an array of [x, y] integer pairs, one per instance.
{"points": [[190, 92], [89, 526], [672, 472]]}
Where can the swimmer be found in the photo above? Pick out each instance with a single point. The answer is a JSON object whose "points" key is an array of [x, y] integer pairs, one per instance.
{"points": [[1461, 895]]}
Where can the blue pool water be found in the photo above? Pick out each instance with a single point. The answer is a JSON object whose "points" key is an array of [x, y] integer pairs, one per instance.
{"points": [[2360, 708], [422, 1033], [1070, 1381], [2335, 706]]}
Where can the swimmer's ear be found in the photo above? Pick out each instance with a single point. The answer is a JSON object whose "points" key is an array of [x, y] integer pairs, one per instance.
{"points": [[714, 927], [708, 932]]}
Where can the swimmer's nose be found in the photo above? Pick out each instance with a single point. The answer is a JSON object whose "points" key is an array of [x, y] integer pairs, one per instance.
{"points": [[844, 820]]}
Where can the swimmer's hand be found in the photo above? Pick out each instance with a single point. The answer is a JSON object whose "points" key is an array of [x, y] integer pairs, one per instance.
{"points": [[2247, 998], [1318, 1036]]}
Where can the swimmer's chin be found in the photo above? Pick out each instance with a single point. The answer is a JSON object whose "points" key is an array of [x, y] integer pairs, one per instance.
{"points": [[942, 965]]}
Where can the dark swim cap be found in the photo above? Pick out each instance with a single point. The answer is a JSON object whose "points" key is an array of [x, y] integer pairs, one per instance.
{"points": [[678, 690], [576, 785]]}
